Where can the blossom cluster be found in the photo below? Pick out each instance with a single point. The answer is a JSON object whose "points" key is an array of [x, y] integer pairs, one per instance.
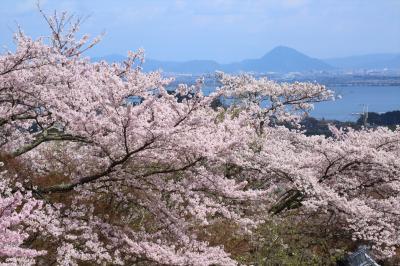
{"points": [[123, 171]]}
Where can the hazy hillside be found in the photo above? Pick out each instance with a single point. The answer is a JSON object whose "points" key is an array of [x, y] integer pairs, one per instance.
{"points": [[371, 61], [193, 66], [395, 62], [280, 59]]}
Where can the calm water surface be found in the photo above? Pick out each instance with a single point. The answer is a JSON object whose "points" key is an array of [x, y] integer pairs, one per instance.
{"points": [[354, 99], [377, 98]]}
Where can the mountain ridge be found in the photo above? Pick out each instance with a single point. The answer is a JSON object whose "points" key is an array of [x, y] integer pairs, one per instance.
{"points": [[280, 59], [368, 61], [283, 59]]}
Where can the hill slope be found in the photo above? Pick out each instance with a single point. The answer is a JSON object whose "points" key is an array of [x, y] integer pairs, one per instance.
{"points": [[280, 59], [371, 61]]}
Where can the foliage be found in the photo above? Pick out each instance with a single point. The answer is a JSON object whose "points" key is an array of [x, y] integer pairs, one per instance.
{"points": [[386, 119], [285, 241], [116, 181]]}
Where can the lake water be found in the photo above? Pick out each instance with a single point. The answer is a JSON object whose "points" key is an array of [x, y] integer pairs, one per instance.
{"points": [[355, 99]]}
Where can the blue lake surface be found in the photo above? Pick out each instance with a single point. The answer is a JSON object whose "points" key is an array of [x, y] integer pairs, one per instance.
{"points": [[354, 98]]}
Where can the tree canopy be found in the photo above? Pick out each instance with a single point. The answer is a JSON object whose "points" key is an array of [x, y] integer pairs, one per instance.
{"points": [[88, 175]]}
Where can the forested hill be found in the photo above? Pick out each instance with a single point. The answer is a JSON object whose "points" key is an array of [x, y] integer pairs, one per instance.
{"points": [[280, 59]]}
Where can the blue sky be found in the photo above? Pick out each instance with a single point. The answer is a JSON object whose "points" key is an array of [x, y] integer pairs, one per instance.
{"points": [[223, 30]]}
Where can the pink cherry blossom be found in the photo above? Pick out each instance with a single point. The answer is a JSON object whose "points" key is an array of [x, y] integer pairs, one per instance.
{"points": [[142, 173]]}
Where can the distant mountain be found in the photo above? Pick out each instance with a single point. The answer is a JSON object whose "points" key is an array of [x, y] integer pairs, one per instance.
{"points": [[280, 59], [394, 63], [193, 66], [371, 61]]}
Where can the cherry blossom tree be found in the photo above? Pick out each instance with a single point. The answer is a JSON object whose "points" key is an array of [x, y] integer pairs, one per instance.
{"points": [[157, 164], [128, 172], [351, 181], [22, 216]]}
